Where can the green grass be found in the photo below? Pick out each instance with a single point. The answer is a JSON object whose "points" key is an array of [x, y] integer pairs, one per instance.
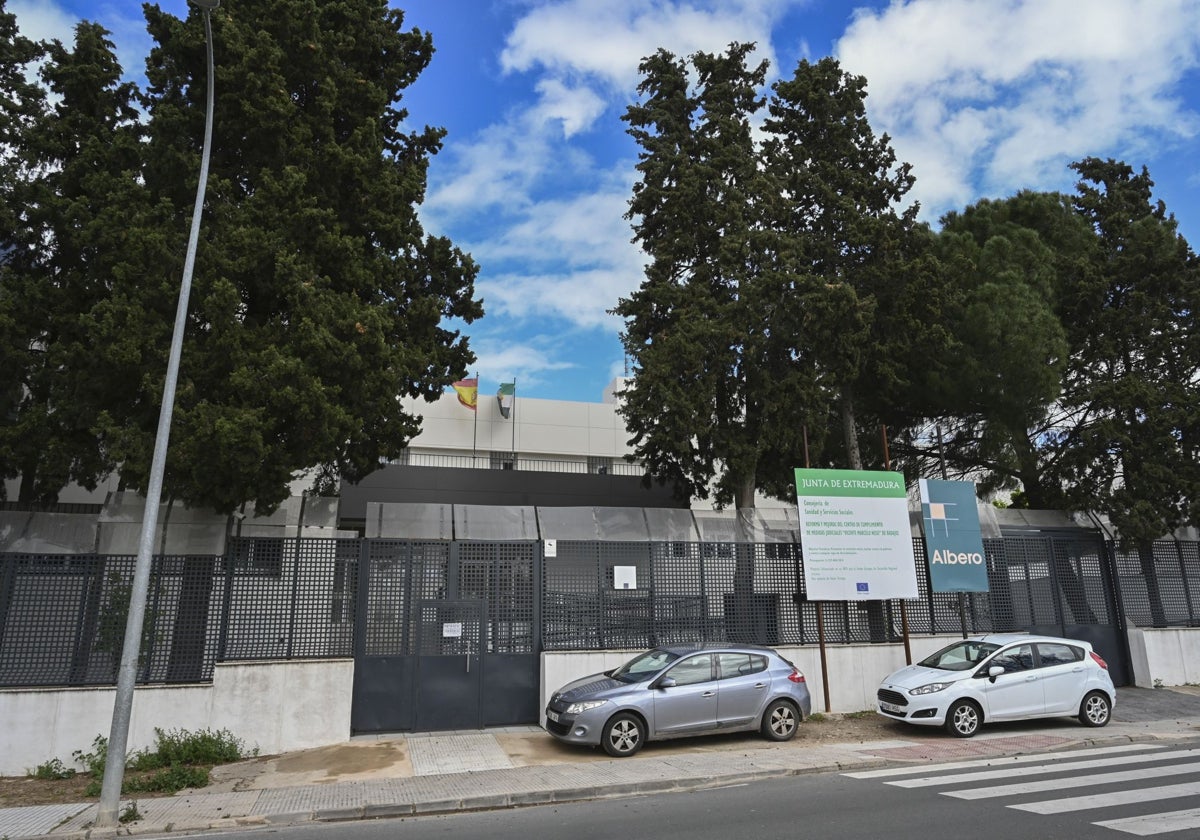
{"points": [[51, 770], [179, 759]]}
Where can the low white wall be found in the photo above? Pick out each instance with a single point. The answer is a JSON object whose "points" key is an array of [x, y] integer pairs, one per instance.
{"points": [[1170, 655], [274, 706], [854, 670]]}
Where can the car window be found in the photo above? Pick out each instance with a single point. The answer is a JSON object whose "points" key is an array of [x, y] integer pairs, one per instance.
{"points": [[694, 669], [1019, 658], [739, 664], [644, 666], [1055, 653], [960, 656]]}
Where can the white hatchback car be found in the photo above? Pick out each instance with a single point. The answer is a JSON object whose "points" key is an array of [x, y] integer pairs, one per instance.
{"points": [[1000, 677]]}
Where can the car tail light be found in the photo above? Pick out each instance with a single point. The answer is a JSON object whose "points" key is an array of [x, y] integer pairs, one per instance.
{"points": [[796, 676], [1099, 661]]}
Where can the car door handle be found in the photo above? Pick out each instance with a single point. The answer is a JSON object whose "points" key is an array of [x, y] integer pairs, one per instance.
{"points": [[1031, 678], [709, 694], [760, 685]]}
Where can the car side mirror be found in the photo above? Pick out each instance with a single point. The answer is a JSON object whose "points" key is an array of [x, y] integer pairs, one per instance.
{"points": [[665, 682], [995, 671]]}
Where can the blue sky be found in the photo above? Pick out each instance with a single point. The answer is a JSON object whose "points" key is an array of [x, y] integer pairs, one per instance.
{"points": [[983, 97]]}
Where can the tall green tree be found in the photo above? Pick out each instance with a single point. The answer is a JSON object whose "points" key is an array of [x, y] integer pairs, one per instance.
{"points": [[318, 299], [20, 102], [717, 404], [1132, 381], [997, 401], [82, 157], [869, 294]]}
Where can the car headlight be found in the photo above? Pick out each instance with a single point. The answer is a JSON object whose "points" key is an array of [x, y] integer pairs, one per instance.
{"points": [[578, 708], [931, 688]]}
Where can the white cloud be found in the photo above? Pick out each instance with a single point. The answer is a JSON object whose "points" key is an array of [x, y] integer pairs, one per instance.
{"points": [[503, 359], [577, 108], [570, 257], [608, 40], [994, 95], [41, 20]]}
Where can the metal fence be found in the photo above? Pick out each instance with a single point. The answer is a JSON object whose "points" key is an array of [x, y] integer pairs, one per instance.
{"points": [[62, 617]]}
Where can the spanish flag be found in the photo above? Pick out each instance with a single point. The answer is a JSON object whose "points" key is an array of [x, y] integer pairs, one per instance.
{"points": [[468, 391]]}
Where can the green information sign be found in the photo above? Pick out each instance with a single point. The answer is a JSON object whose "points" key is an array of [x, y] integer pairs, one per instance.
{"points": [[855, 535]]}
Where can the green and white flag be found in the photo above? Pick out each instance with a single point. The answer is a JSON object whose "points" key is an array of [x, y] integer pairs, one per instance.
{"points": [[505, 396]]}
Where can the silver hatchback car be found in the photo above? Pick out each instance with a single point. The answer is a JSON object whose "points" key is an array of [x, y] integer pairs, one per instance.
{"points": [[675, 691]]}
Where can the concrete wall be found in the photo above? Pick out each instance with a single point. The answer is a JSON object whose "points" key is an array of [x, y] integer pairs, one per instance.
{"points": [[1170, 655], [274, 706], [536, 428], [284, 706], [854, 670]]}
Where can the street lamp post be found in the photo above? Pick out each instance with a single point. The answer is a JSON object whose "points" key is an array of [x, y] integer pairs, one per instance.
{"points": [[114, 767]]}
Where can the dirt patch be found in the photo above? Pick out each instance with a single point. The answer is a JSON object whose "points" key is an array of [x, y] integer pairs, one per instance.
{"points": [[16, 792]]}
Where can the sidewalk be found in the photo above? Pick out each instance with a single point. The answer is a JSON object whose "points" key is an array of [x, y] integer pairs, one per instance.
{"points": [[417, 774]]}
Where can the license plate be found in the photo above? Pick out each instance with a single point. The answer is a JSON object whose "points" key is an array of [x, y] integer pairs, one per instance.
{"points": [[552, 716], [890, 707]]}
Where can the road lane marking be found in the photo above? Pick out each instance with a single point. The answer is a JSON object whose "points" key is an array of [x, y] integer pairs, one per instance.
{"points": [[1075, 781], [1109, 800], [1003, 773], [1155, 823], [994, 762]]}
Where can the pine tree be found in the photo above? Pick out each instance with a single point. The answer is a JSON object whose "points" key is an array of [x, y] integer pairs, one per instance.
{"points": [[716, 400], [81, 157], [1000, 413], [318, 300], [1132, 324], [870, 298]]}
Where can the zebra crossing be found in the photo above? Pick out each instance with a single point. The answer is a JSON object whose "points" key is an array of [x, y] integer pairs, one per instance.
{"points": [[1129, 775]]}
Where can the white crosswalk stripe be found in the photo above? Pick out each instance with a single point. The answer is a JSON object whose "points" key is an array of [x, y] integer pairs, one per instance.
{"points": [[1007, 772], [1116, 765], [995, 762], [1077, 781], [1156, 823], [1110, 800]]}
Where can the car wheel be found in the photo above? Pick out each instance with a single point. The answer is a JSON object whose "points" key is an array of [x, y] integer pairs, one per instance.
{"points": [[963, 719], [779, 721], [1095, 710], [622, 735]]}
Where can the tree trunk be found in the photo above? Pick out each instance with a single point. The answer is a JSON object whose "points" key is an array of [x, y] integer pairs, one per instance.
{"points": [[853, 457], [741, 625], [1145, 551], [877, 624]]}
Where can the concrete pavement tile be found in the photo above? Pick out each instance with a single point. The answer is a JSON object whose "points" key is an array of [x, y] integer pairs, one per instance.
{"points": [[35, 820], [458, 753]]}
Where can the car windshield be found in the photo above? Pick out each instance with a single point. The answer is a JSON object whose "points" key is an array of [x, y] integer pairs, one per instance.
{"points": [[960, 656], [644, 666]]}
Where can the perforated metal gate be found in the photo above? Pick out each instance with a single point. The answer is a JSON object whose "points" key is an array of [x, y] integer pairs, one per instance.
{"points": [[1060, 587], [447, 635]]}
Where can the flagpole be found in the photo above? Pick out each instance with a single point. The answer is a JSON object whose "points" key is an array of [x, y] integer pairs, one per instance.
{"points": [[514, 423], [475, 430]]}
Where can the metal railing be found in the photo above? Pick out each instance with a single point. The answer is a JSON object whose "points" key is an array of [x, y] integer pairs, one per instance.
{"points": [[62, 617], [520, 463]]}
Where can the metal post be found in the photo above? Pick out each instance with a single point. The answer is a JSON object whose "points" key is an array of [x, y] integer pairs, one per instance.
{"points": [[824, 661], [114, 768]]}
